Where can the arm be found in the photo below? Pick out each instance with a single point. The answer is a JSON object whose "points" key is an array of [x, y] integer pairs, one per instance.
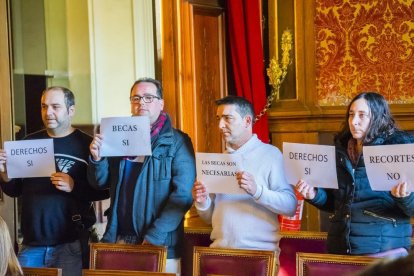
{"points": [[323, 200], [318, 197], [403, 198], [202, 201], [3, 170], [98, 168], [84, 191], [276, 194], [98, 173], [11, 187], [180, 200]]}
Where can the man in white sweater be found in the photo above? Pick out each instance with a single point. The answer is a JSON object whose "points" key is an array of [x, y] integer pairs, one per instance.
{"points": [[248, 220]]}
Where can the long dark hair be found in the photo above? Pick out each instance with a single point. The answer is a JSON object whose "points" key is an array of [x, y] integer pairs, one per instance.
{"points": [[381, 122]]}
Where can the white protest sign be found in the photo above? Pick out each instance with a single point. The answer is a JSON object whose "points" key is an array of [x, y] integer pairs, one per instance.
{"points": [[389, 165], [30, 158], [314, 163], [126, 136], [218, 172]]}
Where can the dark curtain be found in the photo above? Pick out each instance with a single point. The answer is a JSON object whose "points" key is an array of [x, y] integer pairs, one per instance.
{"points": [[246, 54]]}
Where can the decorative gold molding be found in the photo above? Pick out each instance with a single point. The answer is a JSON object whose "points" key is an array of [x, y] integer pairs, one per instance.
{"points": [[309, 235]]}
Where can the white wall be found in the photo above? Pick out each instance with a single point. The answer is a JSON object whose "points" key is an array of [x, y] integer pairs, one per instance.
{"points": [[120, 49]]}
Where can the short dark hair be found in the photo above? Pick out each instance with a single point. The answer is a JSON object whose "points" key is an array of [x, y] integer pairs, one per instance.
{"points": [[244, 107], [381, 120], [151, 80], [68, 95]]}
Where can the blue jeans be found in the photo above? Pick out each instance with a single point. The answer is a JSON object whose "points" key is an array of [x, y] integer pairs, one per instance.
{"points": [[67, 256]]}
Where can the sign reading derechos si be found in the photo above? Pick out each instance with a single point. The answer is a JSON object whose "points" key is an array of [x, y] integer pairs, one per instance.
{"points": [[30, 158], [126, 136], [218, 172], [314, 163]]}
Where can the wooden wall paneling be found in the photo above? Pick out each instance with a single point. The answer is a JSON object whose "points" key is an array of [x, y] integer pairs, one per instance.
{"points": [[187, 72], [203, 71], [210, 80], [6, 119], [167, 69], [192, 58], [7, 204]]}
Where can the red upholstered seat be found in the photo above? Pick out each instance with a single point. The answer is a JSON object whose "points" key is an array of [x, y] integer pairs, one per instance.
{"points": [[240, 262], [128, 257], [315, 264], [104, 272], [41, 271], [298, 241]]}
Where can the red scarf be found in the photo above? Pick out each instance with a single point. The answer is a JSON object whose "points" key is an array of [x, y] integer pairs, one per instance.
{"points": [[155, 129], [158, 124]]}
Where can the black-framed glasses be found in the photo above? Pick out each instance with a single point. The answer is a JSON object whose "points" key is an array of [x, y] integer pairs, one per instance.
{"points": [[146, 98]]}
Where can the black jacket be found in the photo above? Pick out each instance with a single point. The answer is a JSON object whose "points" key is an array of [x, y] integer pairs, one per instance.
{"points": [[365, 221]]}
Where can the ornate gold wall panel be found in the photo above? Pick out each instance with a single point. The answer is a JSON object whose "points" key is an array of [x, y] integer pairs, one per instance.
{"points": [[364, 46]]}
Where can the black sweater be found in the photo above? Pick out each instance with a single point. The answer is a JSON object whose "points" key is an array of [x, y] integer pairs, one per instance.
{"points": [[46, 215]]}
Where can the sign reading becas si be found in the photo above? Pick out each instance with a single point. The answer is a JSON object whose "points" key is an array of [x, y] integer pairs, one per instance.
{"points": [[126, 136], [315, 164]]}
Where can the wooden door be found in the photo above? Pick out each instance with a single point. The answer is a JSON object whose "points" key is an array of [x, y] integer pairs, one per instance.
{"points": [[192, 58]]}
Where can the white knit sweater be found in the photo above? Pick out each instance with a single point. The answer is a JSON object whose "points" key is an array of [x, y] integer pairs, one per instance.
{"points": [[244, 221]]}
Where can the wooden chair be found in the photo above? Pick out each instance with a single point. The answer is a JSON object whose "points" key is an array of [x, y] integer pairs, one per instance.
{"points": [[298, 241], [105, 272], [193, 236], [41, 271], [241, 262], [128, 257], [315, 264]]}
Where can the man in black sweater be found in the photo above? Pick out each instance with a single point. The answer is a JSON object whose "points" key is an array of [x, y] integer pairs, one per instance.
{"points": [[55, 210]]}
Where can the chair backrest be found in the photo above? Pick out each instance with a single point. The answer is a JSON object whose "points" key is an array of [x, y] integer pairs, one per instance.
{"points": [[298, 241], [41, 271], [315, 264], [105, 272], [193, 236], [128, 257], [241, 262]]}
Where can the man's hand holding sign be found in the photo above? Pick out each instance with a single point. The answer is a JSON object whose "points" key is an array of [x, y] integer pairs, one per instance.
{"points": [[305, 164]]}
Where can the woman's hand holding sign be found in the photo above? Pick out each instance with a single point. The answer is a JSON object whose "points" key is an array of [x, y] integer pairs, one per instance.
{"points": [[307, 191], [400, 190]]}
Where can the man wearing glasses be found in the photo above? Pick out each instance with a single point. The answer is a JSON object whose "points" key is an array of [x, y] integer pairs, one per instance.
{"points": [[149, 194]]}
